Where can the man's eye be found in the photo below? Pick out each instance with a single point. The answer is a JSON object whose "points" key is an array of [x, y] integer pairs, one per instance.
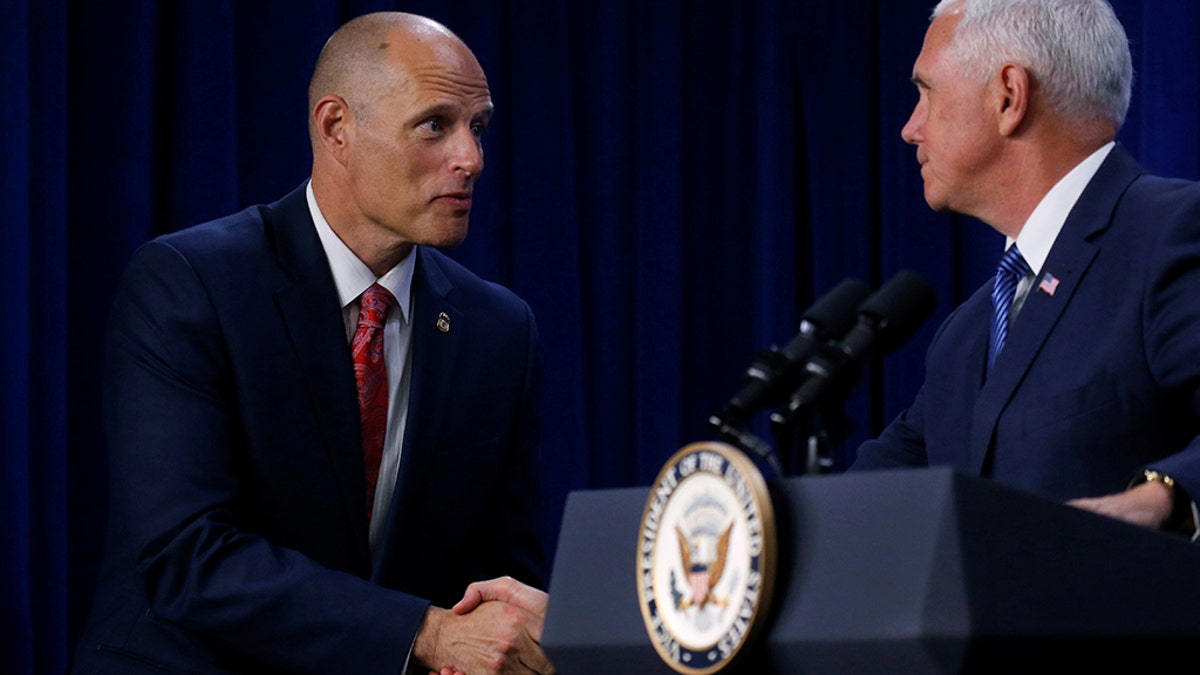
{"points": [[478, 129], [432, 124]]}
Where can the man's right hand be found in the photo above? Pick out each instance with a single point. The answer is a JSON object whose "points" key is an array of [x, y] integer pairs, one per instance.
{"points": [[505, 589], [491, 637]]}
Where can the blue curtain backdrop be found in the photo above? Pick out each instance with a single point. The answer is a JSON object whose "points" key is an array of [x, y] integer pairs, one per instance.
{"points": [[670, 184]]}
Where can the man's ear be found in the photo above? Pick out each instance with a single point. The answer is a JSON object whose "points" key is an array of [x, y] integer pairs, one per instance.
{"points": [[332, 121], [1012, 97]]}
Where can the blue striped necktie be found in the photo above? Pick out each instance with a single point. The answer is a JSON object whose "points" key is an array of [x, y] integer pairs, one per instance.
{"points": [[1010, 272]]}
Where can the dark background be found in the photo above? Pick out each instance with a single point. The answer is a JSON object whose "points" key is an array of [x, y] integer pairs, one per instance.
{"points": [[669, 185]]}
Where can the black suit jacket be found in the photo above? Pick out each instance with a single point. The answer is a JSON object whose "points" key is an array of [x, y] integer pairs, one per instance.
{"points": [[1100, 376], [238, 534]]}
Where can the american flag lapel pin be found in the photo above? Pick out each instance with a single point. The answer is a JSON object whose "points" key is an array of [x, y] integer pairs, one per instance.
{"points": [[1049, 284]]}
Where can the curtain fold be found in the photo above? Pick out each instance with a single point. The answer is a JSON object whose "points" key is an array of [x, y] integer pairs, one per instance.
{"points": [[669, 185], [35, 344]]}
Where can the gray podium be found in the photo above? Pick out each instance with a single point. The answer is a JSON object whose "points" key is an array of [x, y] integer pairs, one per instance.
{"points": [[912, 571]]}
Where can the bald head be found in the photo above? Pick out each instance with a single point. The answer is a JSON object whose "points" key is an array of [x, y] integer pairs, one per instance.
{"points": [[399, 106], [354, 61]]}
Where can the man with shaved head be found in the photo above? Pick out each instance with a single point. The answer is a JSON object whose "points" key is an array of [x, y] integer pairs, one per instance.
{"points": [[323, 432]]}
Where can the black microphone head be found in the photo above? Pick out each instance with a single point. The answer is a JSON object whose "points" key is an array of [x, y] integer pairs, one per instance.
{"points": [[898, 309], [835, 313]]}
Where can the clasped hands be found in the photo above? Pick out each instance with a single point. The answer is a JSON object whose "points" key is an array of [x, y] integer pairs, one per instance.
{"points": [[495, 628]]}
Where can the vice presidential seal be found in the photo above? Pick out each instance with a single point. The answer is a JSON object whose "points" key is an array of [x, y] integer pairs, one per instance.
{"points": [[706, 557]]}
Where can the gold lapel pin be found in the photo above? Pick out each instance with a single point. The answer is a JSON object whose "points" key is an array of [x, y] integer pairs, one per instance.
{"points": [[443, 322]]}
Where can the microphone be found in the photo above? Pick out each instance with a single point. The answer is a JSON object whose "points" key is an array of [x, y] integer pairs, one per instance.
{"points": [[775, 371], [886, 320]]}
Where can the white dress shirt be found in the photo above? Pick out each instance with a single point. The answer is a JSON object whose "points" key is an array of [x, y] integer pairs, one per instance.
{"points": [[1041, 229]]}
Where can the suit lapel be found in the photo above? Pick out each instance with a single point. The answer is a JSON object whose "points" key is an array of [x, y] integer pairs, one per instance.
{"points": [[310, 309], [1069, 260]]}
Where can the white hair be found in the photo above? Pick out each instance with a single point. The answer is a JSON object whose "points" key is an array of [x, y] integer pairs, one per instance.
{"points": [[1076, 51]]}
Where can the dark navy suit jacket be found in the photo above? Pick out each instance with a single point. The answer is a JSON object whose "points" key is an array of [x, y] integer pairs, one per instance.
{"points": [[238, 532], [1099, 379]]}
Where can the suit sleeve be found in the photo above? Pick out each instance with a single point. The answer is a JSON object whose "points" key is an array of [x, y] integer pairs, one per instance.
{"points": [[1172, 329], [902, 443], [176, 475]]}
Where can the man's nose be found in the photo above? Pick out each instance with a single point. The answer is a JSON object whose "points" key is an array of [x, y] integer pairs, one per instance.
{"points": [[913, 129], [467, 153]]}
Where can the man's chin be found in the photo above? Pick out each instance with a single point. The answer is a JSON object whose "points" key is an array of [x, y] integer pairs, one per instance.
{"points": [[937, 202], [447, 236]]}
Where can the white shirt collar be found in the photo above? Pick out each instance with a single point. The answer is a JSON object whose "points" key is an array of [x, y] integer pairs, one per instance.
{"points": [[1046, 221], [351, 275]]}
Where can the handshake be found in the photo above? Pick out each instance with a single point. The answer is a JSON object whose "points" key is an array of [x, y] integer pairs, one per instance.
{"points": [[495, 628]]}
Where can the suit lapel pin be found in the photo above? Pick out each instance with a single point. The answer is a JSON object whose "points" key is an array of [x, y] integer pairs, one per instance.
{"points": [[1049, 284], [443, 322]]}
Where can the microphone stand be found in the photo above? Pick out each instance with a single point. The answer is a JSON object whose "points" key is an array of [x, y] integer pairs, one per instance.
{"points": [[809, 446], [835, 427], [813, 426], [735, 432]]}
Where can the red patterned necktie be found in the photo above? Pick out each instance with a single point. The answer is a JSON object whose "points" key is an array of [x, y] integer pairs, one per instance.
{"points": [[370, 374]]}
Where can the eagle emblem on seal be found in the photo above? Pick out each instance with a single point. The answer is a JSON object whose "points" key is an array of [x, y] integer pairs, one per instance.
{"points": [[703, 558]]}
